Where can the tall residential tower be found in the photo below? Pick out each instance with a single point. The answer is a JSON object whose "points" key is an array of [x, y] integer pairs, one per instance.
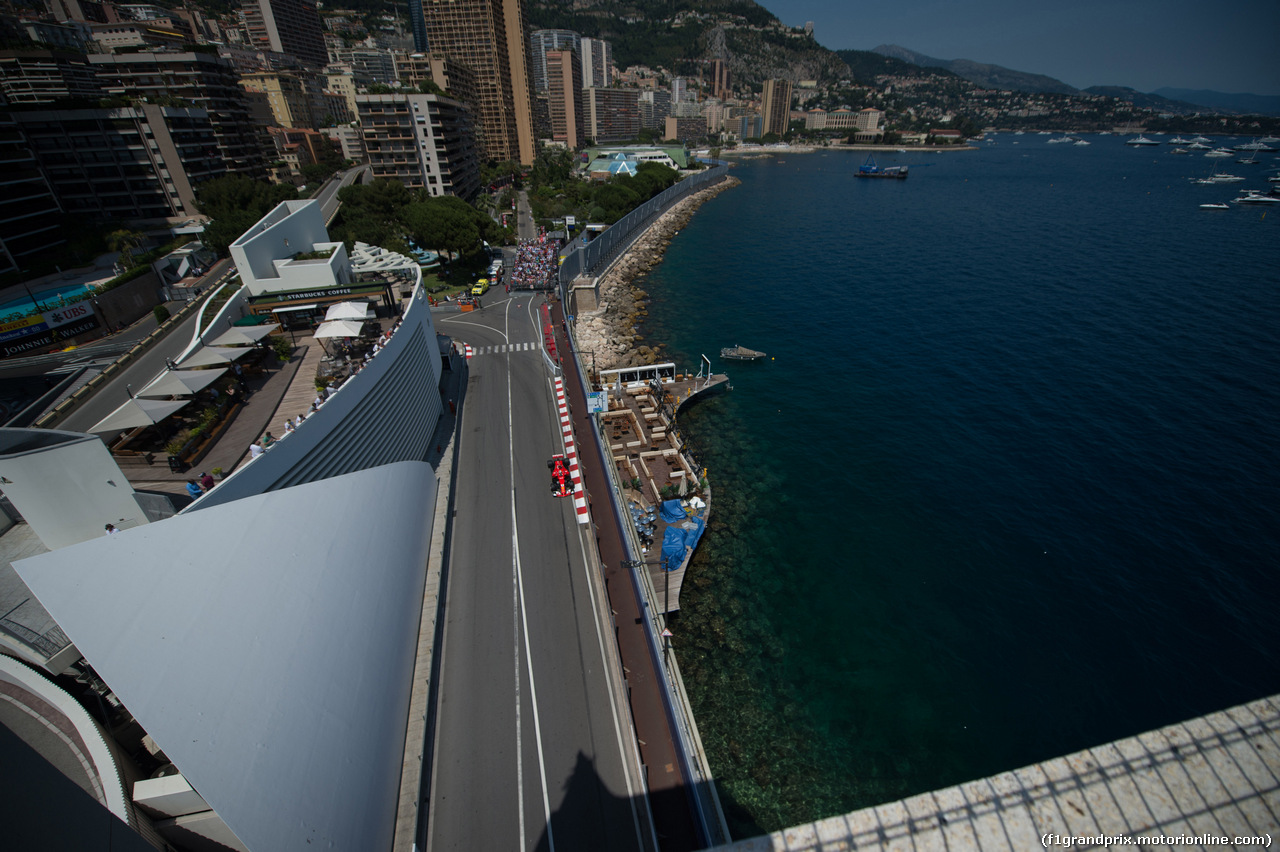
{"points": [[776, 108], [489, 37]]}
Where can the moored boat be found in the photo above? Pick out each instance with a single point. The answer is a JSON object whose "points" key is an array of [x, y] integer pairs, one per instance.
{"points": [[740, 353], [1140, 141], [1215, 206], [869, 169], [1255, 197]]}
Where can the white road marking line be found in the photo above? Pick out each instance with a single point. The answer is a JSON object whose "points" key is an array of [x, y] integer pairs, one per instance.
{"points": [[522, 635]]}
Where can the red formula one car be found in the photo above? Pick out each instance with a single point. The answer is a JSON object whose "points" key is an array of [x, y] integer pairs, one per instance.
{"points": [[561, 484]]}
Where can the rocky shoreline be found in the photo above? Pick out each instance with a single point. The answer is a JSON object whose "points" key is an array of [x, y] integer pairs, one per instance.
{"points": [[609, 333]]}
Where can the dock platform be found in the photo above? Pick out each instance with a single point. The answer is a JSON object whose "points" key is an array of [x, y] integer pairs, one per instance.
{"points": [[654, 464]]}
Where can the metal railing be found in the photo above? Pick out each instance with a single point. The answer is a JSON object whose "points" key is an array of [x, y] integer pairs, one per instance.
{"points": [[590, 260], [596, 255], [48, 643]]}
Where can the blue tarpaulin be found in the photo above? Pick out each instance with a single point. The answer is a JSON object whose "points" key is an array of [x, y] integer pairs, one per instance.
{"points": [[691, 536], [672, 511], [672, 548]]}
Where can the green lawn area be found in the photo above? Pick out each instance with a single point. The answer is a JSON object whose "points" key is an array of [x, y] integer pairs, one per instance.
{"points": [[441, 287]]}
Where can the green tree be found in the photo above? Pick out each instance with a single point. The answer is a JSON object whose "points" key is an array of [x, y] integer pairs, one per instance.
{"points": [[652, 178], [613, 200], [446, 223], [371, 213], [234, 203], [553, 167], [126, 241], [316, 173]]}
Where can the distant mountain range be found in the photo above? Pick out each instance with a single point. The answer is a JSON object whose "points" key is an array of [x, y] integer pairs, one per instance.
{"points": [[1146, 101], [1177, 101], [1242, 103], [988, 76]]}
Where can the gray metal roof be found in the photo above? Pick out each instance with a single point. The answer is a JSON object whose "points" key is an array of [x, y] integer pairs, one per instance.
{"points": [[267, 645]]}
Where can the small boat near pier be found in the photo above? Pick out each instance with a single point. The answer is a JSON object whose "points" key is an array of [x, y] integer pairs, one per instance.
{"points": [[740, 353]]}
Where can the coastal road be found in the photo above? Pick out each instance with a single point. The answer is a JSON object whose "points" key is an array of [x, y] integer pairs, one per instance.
{"points": [[525, 227], [532, 741], [115, 392]]}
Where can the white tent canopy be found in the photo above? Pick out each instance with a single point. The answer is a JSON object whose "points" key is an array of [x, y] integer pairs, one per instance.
{"points": [[137, 412], [180, 382], [208, 356], [339, 328], [244, 335], [349, 310]]}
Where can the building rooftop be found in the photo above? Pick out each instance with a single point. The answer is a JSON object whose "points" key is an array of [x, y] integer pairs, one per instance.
{"points": [[221, 629]]}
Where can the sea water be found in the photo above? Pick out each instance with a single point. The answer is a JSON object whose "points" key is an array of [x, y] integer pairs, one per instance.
{"points": [[1006, 486]]}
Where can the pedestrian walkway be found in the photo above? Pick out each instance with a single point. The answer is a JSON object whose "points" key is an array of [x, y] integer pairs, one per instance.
{"points": [[264, 399], [297, 397]]}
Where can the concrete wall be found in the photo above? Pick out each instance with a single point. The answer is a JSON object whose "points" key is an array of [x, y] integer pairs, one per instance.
{"points": [[292, 227], [306, 274], [130, 301]]}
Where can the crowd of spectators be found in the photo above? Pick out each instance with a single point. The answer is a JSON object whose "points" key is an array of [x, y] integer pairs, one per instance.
{"points": [[536, 264]]}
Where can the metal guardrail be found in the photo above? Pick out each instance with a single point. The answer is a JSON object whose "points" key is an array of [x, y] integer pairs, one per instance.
{"points": [[590, 259], [618, 237], [48, 643], [71, 403]]}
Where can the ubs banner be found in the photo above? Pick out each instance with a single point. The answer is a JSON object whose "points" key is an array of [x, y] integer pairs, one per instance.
{"points": [[32, 333]]}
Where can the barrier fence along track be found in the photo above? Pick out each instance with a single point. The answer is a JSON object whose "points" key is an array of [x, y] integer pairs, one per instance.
{"points": [[68, 405], [593, 259], [571, 455], [604, 249]]}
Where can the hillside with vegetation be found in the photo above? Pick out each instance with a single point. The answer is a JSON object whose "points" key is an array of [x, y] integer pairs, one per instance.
{"points": [[684, 37]]}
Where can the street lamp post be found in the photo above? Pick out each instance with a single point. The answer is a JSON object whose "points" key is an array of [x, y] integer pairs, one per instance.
{"points": [[635, 565]]}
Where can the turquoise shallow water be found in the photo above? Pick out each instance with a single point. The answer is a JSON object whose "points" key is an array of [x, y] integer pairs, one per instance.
{"points": [[1007, 487]]}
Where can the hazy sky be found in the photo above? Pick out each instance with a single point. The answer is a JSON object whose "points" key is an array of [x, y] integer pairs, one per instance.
{"points": [[1231, 46]]}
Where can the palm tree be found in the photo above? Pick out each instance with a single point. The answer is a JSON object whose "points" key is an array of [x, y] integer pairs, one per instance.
{"points": [[126, 241]]}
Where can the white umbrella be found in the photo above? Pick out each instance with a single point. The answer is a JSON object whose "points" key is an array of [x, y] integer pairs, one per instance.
{"points": [[339, 328], [244, 335], [138, 412], [348, 310], [208, 356], [180, 382]]}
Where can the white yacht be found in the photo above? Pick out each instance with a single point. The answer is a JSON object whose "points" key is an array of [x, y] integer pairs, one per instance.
{"points": [[1178, 140], [1252, 196], [1221, 152], [1140, 141], [1255, 145], [1079, 142]]}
